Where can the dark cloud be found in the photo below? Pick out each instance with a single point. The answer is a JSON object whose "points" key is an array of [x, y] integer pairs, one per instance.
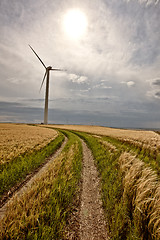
{"points": [[132, 117], [4, 105], [157, 94], [34, 100], [156, 82]]}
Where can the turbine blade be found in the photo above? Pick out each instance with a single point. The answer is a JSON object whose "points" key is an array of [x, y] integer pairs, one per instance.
{"points": [[38, 56], [43, 80], [56, 69]]}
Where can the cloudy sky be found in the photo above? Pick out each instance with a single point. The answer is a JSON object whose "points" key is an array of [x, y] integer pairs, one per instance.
{"points": [[113, 68]]}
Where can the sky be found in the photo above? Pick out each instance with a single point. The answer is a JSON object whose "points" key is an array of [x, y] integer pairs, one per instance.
{"points": [[113, 68]]}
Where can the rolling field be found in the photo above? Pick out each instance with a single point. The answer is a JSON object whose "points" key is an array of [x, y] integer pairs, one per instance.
{"points": [[149, 138], [128, 165], [16, 139], [41, 212], [130, 190], [23, 149]]}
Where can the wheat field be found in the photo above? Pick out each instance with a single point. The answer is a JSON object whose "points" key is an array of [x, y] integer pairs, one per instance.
{"points": [[128, 164], [147, 138], [16, 139]]}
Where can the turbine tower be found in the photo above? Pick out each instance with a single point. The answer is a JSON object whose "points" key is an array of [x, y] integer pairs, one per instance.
{"points": [[46, 75]]}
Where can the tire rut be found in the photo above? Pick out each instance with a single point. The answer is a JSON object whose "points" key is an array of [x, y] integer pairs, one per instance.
{"points": [[92, 221], [23, 186]]}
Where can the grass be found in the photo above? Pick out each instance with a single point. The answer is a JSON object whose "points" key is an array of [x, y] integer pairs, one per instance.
{"points": [[148, 155], [112, 188], [130, 191], [42, 212], [16, 170], [141, 196], [129, 186], [149, 138]]}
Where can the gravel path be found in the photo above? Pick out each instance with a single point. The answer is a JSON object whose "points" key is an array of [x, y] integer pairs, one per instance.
{"points": [[28, 182], [92, 222]]}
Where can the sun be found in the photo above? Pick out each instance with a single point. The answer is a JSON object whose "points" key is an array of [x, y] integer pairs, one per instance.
{"points": [[75, 23]]}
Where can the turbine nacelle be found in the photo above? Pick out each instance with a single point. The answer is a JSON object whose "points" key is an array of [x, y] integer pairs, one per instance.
{"points": [[49, 68]]}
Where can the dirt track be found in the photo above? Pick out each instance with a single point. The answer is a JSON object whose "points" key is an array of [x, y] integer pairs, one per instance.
{"points": [[92, 222], [89, 222]]}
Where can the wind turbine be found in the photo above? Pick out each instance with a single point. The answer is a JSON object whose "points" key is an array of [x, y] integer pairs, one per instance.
{"points": [[46, 75]]}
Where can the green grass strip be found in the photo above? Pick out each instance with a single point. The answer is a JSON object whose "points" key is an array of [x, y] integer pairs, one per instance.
{"points": [[16, 170]]}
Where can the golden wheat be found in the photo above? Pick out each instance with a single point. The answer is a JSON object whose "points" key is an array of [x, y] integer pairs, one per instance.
{"points": [[17, 138], [110, 147], [141, 194], [149, 138], [24, 211]]}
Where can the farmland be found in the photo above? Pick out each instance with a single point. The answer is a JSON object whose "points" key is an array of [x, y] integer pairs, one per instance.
{"points": [[42, 211], [130, 191], [128, 165], [149, 138], [23, 149], [16, 139]]}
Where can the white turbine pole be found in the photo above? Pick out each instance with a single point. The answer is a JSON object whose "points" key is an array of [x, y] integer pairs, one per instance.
{"points": [[46, 99], [47, 85]]}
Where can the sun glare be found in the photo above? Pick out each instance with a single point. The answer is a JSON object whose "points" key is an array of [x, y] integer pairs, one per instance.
{"points": [[75, 23]]}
